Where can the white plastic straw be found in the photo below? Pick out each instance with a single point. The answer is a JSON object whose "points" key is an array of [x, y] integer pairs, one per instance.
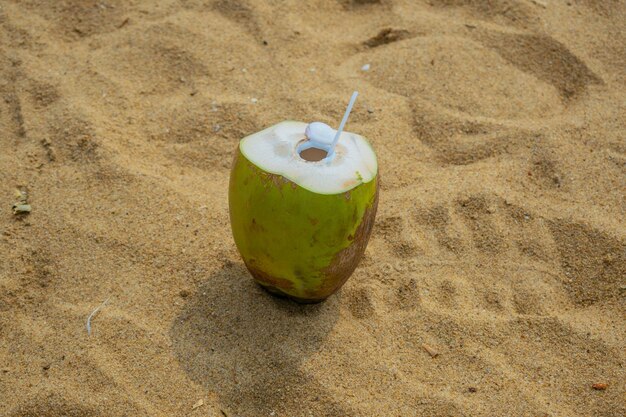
{"points": [[342, 124]]}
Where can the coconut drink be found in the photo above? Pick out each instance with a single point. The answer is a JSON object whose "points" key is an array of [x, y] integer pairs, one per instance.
{"points": [[303, 200]]}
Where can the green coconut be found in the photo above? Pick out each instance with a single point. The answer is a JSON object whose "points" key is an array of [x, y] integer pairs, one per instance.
{"points": [[301, 226]]}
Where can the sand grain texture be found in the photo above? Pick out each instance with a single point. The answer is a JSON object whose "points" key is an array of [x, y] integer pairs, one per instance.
{"points": [[500, 241]]}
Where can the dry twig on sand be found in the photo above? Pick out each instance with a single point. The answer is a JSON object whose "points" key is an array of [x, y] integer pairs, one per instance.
{"points": [[93, 313]]}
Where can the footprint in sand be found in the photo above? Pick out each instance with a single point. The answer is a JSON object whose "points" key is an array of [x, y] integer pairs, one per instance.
{"points": [[462, 76]]}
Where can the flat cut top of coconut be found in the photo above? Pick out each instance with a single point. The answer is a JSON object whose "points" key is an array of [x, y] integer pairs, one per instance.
{"points": [[277, 150]]}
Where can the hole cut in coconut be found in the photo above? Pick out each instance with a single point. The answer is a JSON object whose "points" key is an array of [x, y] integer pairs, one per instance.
{"points": [[313, 154], [311, 151]]}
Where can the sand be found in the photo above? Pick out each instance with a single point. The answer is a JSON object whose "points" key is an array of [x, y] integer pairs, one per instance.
{"points": [[500, 241]]}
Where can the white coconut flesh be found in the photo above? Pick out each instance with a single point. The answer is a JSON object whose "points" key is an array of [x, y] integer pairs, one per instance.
{"points": [[279, 150]]}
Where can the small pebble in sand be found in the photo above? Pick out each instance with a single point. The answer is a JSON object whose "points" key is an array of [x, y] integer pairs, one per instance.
{"points": [[21, 206], [600, 386], [254, 100], [431, 351]]}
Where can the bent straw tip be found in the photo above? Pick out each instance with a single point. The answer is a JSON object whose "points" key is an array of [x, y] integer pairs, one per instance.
{"points": [[343, 123]]}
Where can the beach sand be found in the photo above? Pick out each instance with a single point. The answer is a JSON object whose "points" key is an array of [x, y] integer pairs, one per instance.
{"points": [[499, 244]]}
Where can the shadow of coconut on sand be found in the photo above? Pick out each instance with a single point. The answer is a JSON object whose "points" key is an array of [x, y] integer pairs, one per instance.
{"points": [[247, 346]]}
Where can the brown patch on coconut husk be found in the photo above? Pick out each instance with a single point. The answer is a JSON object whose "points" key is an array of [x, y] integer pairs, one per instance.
{"points": [[345, 261], [277, 180], [280, 293], [267, 279]]}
